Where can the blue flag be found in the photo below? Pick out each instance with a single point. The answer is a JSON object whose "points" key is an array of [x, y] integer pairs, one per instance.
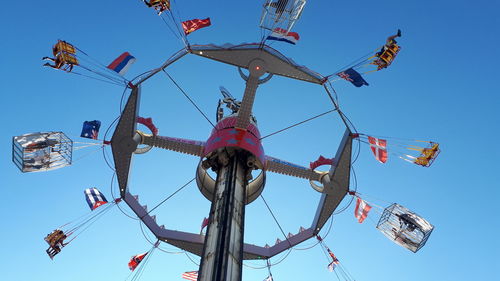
{"points": [[94, 198], [353, 76], [90, 129]]}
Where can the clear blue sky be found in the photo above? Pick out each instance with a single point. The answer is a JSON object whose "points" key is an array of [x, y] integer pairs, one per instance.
{"points": [[442, 87]]}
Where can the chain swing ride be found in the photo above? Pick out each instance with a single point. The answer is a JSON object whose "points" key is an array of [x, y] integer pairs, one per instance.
{"points": [[232, 151]]}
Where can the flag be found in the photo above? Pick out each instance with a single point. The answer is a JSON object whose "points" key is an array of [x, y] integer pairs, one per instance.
{"points": [[331, 266], [269, 278], [352, 76], [204, 223], [361, 210], [379, 148], [94, 198], [195, 24], [122, 63], [90, 129], [135, 261], [190, 275], [280, 34], [334, 258]]}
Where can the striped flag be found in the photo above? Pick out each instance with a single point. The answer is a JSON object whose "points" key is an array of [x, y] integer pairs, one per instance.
{"points": [[190, 275], [122, 63], [94, 198], [204, 224], [280, 34], [379, 148], [136, 260], [362, 209], [331, 266]]}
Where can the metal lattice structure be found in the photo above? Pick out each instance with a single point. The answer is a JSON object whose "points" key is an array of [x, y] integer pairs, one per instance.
{"points": [[404, 227], [281, 14], [42, 151], [232, 151]]}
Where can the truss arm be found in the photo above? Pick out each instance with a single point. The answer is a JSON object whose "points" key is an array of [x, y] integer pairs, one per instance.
{"points": [[186, 146], [290, 169]]}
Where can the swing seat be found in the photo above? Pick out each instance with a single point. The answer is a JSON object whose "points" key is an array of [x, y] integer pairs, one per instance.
{"points": [[380, 63], [63, 47], [68, 59], [41, 151], [404, 227], [160, 5], [387, 56], [428, 155], [56, 239]]}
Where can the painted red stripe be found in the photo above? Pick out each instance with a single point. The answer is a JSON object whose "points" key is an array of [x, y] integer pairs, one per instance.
{"points": [[118, 60]]}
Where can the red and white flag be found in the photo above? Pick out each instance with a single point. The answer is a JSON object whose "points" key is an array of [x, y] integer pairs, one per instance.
{"points": [[190, 275], [204, 224], [379, 148], [331, 266], [362, 209], [279, 34], [136, 260], [195, 24]]}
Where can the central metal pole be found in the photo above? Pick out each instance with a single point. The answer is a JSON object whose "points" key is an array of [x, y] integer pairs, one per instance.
{"points": [[223, 250]]}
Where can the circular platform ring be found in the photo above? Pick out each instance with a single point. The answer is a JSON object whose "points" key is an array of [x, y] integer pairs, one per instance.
{"points": [[318, 188], [206, 184], [142, 150], [154, 132]]}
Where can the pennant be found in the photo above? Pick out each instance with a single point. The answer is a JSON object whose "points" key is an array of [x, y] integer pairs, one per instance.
{"points": [[135, 261], [379, 148], [301, 229], [277, 241], [269, 278], [90, 129], [190, 275], [290, 235], [204, 224], [353, 76], [361, 210], [195, 24], [94, 198], [280, 34], [122, 63]]}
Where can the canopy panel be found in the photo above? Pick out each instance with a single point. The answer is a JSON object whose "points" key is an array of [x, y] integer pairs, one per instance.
{"points": [[241, 56]]}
